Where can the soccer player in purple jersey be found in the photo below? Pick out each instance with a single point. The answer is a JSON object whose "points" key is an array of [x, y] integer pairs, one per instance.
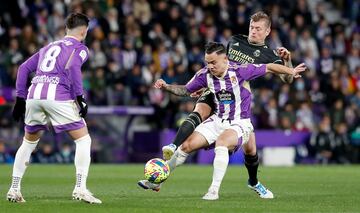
{"points": [[243, 49], [55, 94], [231, 121]]}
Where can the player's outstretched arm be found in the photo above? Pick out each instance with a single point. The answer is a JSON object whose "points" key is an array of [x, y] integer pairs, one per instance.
{"points": [[281, 69], [179, 90], [285, 55]]}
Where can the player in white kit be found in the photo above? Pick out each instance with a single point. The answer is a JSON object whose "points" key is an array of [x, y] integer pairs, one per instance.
{"points": [[231, 121], [55, 95]]}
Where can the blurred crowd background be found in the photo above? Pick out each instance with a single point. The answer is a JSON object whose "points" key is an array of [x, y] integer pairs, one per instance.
{"points": [[134, 42]]}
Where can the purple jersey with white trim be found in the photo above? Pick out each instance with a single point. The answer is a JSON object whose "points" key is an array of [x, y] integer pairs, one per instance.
{"points": [[232, 92], [57, 69]]}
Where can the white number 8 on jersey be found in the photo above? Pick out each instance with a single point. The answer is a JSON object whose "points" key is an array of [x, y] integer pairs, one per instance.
{"points": [[48, 63]]}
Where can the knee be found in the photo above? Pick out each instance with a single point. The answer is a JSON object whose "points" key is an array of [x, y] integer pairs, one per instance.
{"points": [[220, 142], [204, 110], [250, 147]]}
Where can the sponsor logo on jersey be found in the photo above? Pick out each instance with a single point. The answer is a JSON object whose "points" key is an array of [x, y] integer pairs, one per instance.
{"points": [[237, 55], [225, 97], [256, 53]]}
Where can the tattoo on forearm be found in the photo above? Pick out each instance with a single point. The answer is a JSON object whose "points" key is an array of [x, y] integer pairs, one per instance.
{"points": [[179, 90]]}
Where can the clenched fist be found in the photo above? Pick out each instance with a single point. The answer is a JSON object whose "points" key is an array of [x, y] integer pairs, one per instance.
{"points": [[159, 84]]}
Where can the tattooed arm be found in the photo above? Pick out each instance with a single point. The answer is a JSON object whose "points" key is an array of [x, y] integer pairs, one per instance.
{"points": [[179, 90]]}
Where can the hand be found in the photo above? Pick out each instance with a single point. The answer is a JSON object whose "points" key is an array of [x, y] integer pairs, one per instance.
{"points": [[19, 109], [287, 78], [83, 105], [159, 84], [283, 53], [298, 69], [197, 93]]}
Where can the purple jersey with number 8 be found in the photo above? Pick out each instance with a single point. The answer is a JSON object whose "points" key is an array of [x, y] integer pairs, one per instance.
{"points": [[57, 69]]}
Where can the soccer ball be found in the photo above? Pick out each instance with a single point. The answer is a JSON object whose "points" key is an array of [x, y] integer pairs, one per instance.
{"points": [[156, 170]]}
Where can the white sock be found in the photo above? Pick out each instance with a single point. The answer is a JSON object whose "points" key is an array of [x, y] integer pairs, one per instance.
{"points": [[82, 160], [22, 159], [221, 162], [177, 159]]}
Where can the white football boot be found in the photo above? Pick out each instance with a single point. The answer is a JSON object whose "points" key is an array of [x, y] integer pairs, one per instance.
{"points": [[145, 184], [85, 195], [262, 191], [212, 194], [15, 196], [168, 151]]}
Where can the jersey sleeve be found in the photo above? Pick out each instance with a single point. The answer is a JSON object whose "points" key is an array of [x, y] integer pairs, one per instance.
{"points": [[252, 71], [79, 57], [199, 81], [24, 71]]}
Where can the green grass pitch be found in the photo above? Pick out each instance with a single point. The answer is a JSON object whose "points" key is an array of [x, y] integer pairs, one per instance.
{"points": [[47, 188]]}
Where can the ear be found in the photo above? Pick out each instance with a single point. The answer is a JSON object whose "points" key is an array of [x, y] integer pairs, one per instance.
{"points": [[268, 30], [225, 58]]}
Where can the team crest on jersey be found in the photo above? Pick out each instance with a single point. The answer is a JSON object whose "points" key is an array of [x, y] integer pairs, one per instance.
{"points": [[256, 53], [233, 80], [83, 54]]}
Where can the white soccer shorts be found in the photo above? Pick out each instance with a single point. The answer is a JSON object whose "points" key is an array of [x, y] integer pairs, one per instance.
{"points": [[63, 115], [212, 128]]}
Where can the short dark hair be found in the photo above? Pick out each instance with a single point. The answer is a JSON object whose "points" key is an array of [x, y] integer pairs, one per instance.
{"points": [[260, 15], [76, 20], [216, 47]]}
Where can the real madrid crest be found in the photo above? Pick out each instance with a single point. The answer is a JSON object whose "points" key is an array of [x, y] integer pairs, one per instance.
{"points": [[256, 53]]}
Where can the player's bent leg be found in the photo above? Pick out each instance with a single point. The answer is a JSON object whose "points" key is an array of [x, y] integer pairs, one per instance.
{"points": [[22, 159], [195, 142], [252, 164], [82, 163], [227, 140], [251, 159], [201, 112], [185, 130]]}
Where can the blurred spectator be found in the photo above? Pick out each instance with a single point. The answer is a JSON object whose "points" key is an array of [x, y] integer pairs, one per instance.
{"points": [[5, 156], [322, 142], [46, 154], [305, 117], [306, 42], [342, 142]]}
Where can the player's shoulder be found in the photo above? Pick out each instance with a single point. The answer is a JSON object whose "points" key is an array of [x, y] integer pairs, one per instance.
{"points": [[234, 65], [272, 54], [202, 71], [83, 51], [238, 38]]}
